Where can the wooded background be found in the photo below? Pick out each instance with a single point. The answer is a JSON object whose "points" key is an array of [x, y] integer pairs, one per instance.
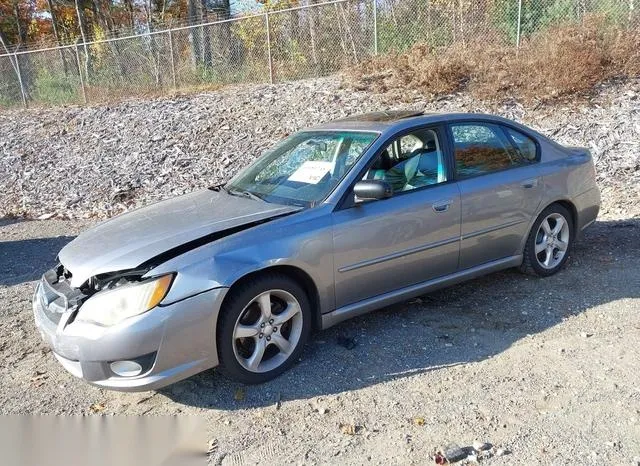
{"points": [[74, 51]]}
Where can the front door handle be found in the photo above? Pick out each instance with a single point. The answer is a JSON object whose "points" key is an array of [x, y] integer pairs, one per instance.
{"points": [[532, 183], [442, 206]]}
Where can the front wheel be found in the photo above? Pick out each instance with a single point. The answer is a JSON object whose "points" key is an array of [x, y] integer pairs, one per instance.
{"points": [[549, 242], [263, 327]]}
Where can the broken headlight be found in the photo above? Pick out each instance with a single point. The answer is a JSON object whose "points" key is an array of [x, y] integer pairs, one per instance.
{"points": [[110, 307]]}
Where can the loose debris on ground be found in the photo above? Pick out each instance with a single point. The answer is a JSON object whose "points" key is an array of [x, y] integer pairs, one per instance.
{"points": [[472, 360], [95, 162], [519, 373]]}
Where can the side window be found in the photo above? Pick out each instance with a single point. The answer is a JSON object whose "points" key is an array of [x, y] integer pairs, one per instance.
{"points": [[525, 146], [420, 162], [481, 148]]}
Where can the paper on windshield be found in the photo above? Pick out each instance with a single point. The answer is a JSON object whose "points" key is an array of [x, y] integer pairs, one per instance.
{"points": [[311, 172]]}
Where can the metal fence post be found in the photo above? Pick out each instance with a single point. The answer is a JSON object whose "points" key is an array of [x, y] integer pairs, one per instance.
{"points": [[84, 91], [19, 73], [173, 61], [519, 25], [266, 17], [375, 27]]}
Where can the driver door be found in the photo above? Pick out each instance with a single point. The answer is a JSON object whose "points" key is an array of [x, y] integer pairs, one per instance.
{"points": [[411, 237]]}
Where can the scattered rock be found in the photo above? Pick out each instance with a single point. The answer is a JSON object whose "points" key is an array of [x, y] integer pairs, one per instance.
{"points": [[453, 453], [481, 446], [346, 342]]}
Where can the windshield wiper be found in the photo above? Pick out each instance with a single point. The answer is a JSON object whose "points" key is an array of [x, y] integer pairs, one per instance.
{"points": [[244, 193]]}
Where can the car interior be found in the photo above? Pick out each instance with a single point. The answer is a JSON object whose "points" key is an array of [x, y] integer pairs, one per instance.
{"points": [[409, 162]]}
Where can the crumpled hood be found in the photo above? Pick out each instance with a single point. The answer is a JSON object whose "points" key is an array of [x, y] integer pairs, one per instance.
{"points": [[133, 238]]}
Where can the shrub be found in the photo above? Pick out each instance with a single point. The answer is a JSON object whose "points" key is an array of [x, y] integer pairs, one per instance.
{"points": [[561, 61]]}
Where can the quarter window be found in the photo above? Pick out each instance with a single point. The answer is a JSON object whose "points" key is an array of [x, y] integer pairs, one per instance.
{"points": [[482, 148], [525, 146]]}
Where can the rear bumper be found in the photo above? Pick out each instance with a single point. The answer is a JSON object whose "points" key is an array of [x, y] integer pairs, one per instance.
{"points": [[587, 206], [170, 342]]}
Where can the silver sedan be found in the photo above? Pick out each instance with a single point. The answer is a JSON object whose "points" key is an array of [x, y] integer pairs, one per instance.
{"points": [[334, 222]]}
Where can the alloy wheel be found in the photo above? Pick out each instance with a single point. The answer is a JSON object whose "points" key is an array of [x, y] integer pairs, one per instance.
{"points": [[552, 241], [267, 331]]}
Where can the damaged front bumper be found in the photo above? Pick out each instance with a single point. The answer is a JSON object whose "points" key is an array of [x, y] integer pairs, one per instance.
{"points": [[166, 344]]}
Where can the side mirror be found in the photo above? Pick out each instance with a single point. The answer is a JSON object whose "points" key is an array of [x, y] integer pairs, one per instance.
{"points": [[367, 190]]}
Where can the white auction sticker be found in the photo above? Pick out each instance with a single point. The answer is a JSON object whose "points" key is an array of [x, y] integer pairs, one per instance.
{"points": [[312, 171]]}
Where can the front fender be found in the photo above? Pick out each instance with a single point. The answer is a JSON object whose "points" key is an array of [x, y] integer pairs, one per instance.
{"points": [[305, 243]]}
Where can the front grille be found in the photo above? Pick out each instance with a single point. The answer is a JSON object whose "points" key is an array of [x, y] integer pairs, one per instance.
{"points": [[56, 295]]}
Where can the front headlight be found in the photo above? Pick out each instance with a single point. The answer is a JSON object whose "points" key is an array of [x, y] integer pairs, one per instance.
{"points": [[113, 306]]}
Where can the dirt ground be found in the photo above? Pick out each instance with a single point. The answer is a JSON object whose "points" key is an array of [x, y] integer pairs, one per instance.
{"points": [[545, 368]]}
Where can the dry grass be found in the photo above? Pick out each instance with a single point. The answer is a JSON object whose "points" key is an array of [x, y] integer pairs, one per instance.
{"points": [[562, 62]]}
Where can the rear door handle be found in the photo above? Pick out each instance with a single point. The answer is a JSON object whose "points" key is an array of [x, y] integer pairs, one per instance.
{"points": [[532, 183], [442, 206]]}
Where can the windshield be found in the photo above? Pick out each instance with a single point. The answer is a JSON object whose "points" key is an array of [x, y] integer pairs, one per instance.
{"points": [[303, 169]]}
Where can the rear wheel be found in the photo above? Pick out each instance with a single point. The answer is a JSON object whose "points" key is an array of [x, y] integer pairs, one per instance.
{"points": [[264, 325], [549, 242]]}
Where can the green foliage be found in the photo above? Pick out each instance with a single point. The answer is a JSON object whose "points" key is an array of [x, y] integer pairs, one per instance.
{"points": [[54, 88], [539, 15]]}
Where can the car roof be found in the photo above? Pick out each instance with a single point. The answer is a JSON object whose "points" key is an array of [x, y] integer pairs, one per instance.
{"points": [[396, 120]]}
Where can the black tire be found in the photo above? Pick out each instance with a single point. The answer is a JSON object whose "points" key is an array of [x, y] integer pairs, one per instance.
{"points": [[237, 300], [530, 263]]}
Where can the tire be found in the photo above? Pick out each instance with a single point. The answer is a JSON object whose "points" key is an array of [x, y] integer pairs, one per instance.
{"points": [[251, 331], [552, 249]]}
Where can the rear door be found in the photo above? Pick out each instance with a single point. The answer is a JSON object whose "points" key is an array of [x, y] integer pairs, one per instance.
{"points": [[383, 245], [500, 188]]}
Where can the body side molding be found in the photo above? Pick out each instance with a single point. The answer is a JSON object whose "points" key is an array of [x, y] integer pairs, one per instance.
{"points": [[370, 304]]}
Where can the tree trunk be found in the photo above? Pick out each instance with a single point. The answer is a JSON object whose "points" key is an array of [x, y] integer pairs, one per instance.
{"points": [[194, 32], [129, 7], [82, 24], [206, 36], [22, 31], [312, 33], [56, 33]]}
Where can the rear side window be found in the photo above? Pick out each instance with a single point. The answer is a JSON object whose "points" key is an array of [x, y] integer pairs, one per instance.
{"points": [[525, 146], [482, 148]]}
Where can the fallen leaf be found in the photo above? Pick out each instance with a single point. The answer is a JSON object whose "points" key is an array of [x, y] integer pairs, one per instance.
{"points": [[418, 421], [97, 407], [239, 394], [350, 429]]}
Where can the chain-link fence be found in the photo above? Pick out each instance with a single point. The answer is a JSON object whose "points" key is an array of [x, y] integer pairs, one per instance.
{"points": [[294, 43]]}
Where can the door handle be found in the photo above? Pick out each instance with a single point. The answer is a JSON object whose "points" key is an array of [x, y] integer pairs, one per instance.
{"points": [[532, 183], [442, 206]]}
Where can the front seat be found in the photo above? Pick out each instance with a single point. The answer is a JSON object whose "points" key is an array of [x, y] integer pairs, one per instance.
{"points": [[424, 166], [380, 166]]}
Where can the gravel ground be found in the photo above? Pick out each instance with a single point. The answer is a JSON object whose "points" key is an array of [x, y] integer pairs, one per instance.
{"points": [[545, 368]]}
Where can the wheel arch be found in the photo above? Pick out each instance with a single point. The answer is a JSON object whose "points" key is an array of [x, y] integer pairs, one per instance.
{"points": [[567, 204], [570, 206], [296, 274]]}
